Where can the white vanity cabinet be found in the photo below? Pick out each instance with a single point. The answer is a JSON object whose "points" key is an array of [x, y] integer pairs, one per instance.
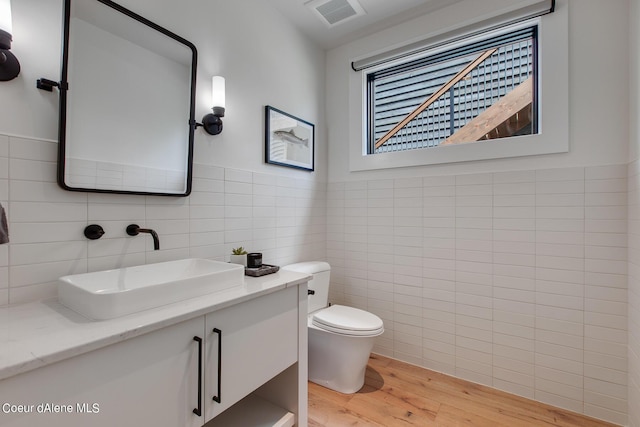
{"points": [[248, 344], [150, 380], [254, 350]]}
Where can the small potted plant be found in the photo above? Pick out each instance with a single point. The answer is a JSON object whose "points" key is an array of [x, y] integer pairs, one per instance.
{"points": [[238, 256]]}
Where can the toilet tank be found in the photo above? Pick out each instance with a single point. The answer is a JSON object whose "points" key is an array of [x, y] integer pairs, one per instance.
{"points": [[321, 272]]}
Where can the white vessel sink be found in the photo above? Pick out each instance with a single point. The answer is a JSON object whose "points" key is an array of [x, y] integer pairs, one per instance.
{"points": [[114, 293]]}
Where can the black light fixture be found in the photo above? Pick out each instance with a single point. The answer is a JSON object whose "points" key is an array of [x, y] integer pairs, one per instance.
{"points": [[212, 122], [9, 65]]}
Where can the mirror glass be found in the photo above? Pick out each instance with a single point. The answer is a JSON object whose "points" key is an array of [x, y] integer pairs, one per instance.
{"points": [[127, 109]]}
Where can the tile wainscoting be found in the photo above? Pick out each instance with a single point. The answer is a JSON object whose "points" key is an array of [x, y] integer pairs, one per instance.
{"points": [[516, 280], [634, 293]]}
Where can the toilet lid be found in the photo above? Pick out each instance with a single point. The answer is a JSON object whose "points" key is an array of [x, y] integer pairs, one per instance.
{"points": [[348, 321]]}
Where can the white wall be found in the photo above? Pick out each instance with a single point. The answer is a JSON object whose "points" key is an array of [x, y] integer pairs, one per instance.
{"points": [[510, 273], [237, 199]]}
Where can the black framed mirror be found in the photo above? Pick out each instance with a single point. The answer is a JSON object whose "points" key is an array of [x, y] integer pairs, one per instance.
{"points": [[127, 101]]}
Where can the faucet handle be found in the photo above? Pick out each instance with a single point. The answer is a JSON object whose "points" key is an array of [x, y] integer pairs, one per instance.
{"points": [[93, 231], [133, 229]]}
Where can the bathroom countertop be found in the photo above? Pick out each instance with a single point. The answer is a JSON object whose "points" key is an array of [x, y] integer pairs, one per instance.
{"points": [[44, 332]]}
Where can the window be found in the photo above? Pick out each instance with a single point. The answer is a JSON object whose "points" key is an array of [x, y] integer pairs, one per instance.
{"points": [[435, 41], [478, 89]]}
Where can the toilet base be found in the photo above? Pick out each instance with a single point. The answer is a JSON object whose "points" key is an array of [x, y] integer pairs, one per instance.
{"points": [[338, 362]]}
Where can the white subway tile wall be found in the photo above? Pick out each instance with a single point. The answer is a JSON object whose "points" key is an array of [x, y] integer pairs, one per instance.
{"points": [[284, 218], [605, 330], [559, 292], [633, 297], [516, 280], [514, 285]]}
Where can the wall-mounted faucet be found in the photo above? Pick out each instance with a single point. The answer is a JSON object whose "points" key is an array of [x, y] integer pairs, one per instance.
{"points": [[134, 230]]}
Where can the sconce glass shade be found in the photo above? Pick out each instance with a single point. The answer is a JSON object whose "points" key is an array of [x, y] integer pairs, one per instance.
{"points": [[212, 123], [218, 98], [5, 16], [9, 65]]}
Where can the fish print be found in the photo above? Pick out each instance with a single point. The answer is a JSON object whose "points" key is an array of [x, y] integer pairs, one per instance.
{"points": [[290, 136]]}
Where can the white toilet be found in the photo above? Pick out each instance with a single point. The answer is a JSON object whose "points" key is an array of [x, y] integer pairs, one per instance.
{"points": [[340, 337]]}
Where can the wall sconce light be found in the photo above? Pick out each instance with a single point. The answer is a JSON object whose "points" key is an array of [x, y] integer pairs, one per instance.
{"points": [[212, 122], [9, 65]]}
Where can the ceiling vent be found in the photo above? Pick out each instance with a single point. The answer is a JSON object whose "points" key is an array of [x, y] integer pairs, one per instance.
{"points": [[333, 12]]}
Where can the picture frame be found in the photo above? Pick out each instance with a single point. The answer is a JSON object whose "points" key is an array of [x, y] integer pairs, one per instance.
{"points": [[289, 140]]}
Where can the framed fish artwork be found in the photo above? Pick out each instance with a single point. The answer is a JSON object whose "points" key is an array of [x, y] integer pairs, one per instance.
{"points": [[289, 141]]}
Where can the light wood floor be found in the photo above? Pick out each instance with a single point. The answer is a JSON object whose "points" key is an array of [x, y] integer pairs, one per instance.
{"points": [[399, 394]]}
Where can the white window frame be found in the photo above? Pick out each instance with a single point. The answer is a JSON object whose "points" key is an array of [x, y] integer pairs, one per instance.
{"points": [[553, 113]]}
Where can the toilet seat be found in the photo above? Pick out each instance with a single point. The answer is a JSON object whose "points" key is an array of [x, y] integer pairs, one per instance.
{"points": [[345, 320]]}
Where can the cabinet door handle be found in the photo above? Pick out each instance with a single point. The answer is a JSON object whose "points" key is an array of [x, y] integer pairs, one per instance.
{"points": [[216, 398], [198, 410]]}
